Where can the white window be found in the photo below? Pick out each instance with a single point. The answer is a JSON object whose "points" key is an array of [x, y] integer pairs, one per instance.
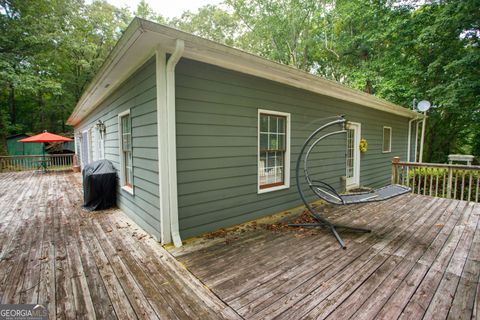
{"points": [[273, 150], [90, 145], [84, 152], [387, 139], [125, 150]]}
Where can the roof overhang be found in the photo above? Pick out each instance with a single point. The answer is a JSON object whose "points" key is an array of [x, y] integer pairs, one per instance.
{"points": [[142, 37]]}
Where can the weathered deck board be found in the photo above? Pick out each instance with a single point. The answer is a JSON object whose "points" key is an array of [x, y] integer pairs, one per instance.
{"points": [[88, 265], [422, 256], [422, 260]]}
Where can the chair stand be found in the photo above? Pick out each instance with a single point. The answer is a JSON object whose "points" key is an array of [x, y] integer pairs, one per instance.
{"points": [[323, 223], [327, 193]]}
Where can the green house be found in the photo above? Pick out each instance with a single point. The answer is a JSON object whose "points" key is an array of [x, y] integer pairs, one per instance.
{"points": [[205, 136], [16, 148]]}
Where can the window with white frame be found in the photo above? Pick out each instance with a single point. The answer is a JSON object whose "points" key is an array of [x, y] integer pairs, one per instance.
{"points": [[90, 145], [273, 150], [387, 139], [125, 144]]}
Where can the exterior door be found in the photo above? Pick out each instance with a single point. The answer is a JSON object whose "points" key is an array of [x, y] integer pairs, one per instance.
{"points": [[353, 155]]}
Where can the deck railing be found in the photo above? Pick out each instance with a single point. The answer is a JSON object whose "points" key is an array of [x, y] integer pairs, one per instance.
{"points": [[36, 162], [450, 181]]}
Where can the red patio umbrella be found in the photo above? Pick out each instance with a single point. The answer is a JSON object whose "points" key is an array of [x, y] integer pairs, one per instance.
{"points": [[45, 137]]}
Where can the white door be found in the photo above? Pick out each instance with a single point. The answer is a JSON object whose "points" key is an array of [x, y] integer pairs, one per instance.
{"points": [[353, 155]]}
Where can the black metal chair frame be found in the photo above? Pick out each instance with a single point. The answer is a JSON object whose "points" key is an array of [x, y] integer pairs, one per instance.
{"points": [[326, 192]]}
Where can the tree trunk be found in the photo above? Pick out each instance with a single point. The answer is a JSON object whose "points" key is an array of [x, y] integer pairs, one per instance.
{"points": [[11, 104], [3, 136], [41, 106]]}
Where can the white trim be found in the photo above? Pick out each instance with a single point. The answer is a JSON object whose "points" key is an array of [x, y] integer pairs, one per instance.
{"points": [[286, 169], [120, 153], [138, 44], [128, 189], [267, 190], [383, 140], [356, 149], [172, 144]]}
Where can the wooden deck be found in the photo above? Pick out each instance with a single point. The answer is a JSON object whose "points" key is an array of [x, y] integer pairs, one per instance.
{"points": [[422, 260], [88, 265]]}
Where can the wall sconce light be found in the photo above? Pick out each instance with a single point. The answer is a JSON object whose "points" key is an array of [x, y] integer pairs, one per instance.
{"points": [[100, 125]]}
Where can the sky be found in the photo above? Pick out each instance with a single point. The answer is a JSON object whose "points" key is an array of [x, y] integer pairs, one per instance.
{"points": [[167, 8]]}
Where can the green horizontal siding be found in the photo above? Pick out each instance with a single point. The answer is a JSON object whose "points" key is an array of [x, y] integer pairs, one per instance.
{"points": [[216, 112], [138, 94]]}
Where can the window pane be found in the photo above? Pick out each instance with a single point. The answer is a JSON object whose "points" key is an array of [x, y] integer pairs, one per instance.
{"points": [[279, 174], [273, 124], [280, 159], [386, 139], [273, 142], [263, 123], [281, 142], [281, 124], [271, 159], [263, 141], [125, 124], [126, 146]]}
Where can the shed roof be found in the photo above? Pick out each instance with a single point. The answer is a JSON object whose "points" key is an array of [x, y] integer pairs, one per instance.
{"points": [[13, 136], [142, 38]]}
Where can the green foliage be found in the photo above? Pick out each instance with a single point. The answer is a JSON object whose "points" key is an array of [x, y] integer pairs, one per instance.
{"points": [[49, 52], [435, 181], [280, 30], [210, 22], [397, 50], [144, 11]]}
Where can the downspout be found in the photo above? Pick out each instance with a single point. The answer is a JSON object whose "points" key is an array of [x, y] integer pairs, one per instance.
{"points": [[420, 156], [163, 192], [410, 139], [416, 141], [172, 145]]}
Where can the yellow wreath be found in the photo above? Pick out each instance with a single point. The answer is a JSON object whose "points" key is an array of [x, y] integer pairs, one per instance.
{"points": [[363, 145]]}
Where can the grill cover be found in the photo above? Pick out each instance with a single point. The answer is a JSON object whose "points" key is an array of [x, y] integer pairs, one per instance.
{"points": [[99, 185]]}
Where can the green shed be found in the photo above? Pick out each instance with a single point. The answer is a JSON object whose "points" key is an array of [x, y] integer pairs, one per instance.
{"points": [[16, 148]]}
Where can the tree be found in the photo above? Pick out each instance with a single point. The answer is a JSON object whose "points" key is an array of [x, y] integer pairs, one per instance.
{"points": [[278, 29], [210, 22], [49, 52], [144, 11]]}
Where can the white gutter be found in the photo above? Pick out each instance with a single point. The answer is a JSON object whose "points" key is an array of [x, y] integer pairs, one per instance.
{"points": [[172, 145]]}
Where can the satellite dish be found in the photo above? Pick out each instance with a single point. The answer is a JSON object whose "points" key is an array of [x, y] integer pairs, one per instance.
{"points": [[423, 106]]}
